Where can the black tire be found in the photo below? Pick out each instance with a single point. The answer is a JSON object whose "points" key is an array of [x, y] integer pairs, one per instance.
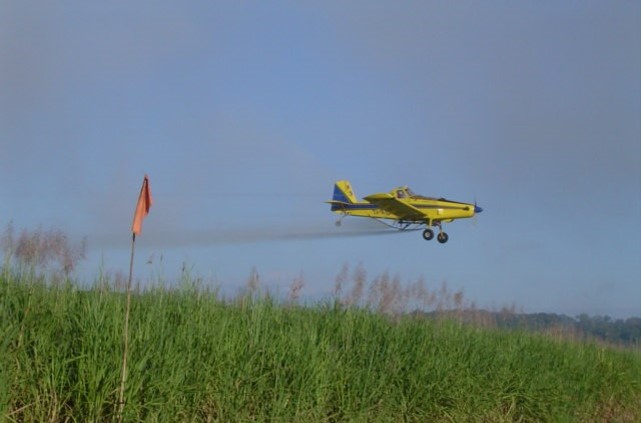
{"points": [[442, 237], [428, 234]]}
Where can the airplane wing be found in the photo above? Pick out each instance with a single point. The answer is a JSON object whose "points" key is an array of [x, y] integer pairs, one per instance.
{"points": [[393, 205]]}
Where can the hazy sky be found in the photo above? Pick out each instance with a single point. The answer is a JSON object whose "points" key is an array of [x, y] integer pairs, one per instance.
{"points": [[243, 114]]}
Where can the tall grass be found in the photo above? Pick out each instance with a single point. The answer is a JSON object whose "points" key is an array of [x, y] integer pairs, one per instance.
{"points": [[196, 357]]}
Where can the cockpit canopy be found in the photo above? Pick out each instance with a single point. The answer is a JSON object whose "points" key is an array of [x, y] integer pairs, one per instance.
{"points": [[405, 192]]}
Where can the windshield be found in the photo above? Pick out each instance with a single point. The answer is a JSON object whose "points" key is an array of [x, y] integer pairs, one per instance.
{"points": [[404, 192]]}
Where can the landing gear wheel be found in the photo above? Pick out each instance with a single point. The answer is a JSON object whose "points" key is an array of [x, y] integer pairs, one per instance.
{"points": [[428, 234], [442, 237]]}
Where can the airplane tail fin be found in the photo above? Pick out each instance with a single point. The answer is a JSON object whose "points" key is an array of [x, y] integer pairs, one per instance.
{"points": [[343, 194]]}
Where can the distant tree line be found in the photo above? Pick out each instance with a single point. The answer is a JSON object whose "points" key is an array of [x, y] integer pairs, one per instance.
{"points": [[626, 332], [604, 328]]}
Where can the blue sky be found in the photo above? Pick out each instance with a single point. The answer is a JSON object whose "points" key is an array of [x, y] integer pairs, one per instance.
{"points": [[243, 114]]}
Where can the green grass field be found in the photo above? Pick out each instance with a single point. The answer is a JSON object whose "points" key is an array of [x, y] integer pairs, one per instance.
{"points": [[195, 357]]}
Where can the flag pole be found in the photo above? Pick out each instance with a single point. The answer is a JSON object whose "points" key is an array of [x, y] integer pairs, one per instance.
{"points": [[123, 374], [142, 209]]}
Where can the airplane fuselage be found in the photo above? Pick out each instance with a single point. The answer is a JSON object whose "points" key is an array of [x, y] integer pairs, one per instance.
{"points": [[402, 206], [434, 209]]}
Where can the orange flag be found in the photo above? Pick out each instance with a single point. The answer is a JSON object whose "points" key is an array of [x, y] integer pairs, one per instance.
{"points": [[142, 208]]}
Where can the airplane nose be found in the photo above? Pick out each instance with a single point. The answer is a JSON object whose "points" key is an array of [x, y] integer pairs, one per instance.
{"points": [[477, 209]]}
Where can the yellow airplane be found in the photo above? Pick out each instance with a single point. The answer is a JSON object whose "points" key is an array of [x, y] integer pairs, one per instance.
{"points": [[404, 208]]}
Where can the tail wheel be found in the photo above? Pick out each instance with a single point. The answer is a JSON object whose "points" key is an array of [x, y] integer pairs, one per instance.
{"points": [[442, 237], [428, 234]]}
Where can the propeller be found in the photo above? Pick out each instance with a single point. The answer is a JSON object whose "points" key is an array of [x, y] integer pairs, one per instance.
{"points": [[477, 210]]}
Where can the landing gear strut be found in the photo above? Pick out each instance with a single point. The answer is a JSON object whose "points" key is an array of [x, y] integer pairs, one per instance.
{"points": [[428, 233]]}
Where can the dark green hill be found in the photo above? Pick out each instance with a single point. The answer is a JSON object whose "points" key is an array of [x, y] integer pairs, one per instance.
{"points": [[619, 332]]}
